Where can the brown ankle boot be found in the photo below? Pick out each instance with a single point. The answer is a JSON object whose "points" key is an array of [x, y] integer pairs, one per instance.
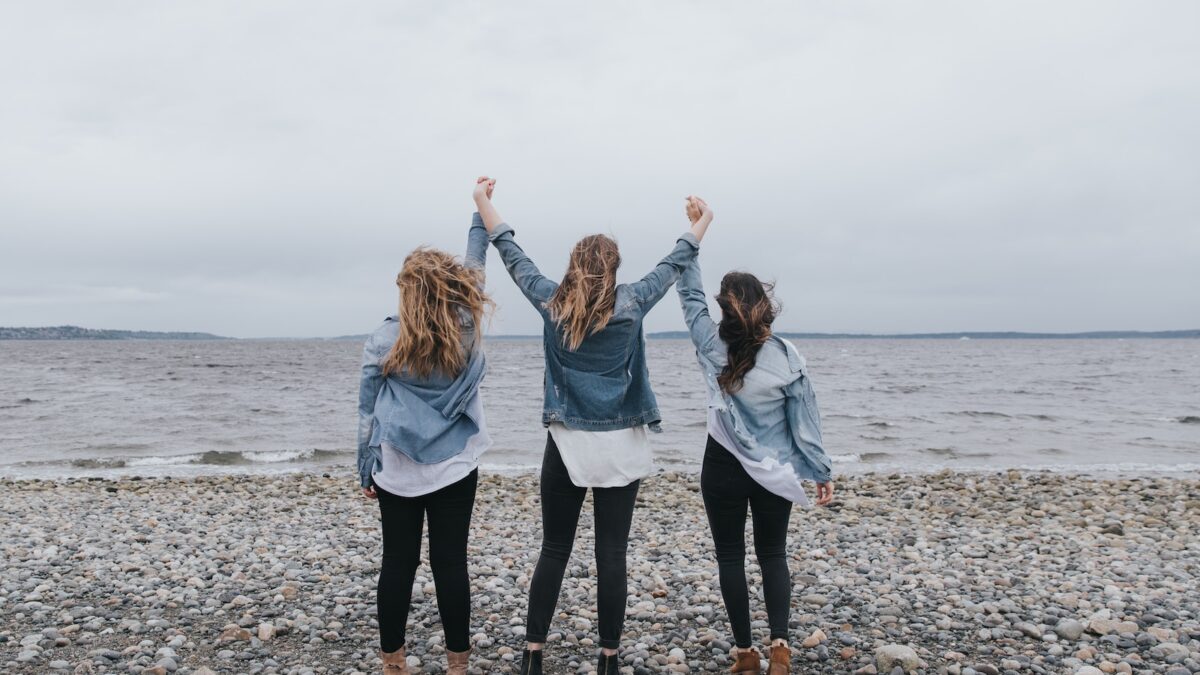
{"points": [[457, 662], [394, 663], [746, 662], [781, 660]]}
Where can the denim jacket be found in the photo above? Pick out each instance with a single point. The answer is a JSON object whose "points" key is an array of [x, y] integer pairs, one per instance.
{"points": [[603, 385], [425, 418], [775, 413]]}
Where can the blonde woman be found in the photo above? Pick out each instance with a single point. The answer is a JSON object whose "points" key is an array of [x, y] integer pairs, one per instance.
{"points": [[421, 433], [598, 404]]}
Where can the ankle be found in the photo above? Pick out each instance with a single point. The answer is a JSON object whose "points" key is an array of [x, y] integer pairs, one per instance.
{"points": [[534, 646], [608, 652]]}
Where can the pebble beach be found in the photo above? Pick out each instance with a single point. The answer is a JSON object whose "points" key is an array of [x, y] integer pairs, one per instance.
{"points": [[943, 573]]}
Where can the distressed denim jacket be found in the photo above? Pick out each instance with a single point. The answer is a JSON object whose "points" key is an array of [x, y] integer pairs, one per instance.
{"points": [[775, 413], [425, 418], [605, 384]]}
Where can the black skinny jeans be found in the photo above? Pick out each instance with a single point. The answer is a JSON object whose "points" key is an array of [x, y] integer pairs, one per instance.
{"points": [[728, 490], [561, 503], [449, 511]]}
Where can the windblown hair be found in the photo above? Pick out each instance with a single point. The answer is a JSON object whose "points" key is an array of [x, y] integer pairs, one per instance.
{"points": [[584, 301], [748, 309], [434, 287]]}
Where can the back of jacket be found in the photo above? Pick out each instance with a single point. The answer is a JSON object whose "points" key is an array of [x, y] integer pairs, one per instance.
{"points": [[604, 384], [775, 413]]}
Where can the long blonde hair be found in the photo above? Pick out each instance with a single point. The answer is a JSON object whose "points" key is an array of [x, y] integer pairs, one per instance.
{"points": [[584, 301], [434, 286]]}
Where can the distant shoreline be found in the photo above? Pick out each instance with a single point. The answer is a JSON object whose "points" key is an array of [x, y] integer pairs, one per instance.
{"points": [[78, 333]]}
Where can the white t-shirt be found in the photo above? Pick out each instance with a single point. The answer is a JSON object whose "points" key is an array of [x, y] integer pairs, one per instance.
{"points": [[777, 478], [599, 459], [402, 476]]}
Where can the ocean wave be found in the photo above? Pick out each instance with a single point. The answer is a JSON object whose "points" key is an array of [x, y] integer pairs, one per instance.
{"points": [[952, 453], [210, 458], [981, 413], [20, 402], [1190, 419]]}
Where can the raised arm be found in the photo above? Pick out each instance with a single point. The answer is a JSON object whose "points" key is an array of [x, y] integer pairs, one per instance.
{"points": [[477, 242], [652, 287], [695, 310], [533, 284]]}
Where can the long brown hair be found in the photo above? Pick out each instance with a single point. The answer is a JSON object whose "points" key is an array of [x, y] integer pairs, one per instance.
{"points": [[584, 301], [434, 286], [748, 309]]}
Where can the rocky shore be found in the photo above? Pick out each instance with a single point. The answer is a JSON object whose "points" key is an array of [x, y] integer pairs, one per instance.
{"points": [[949, 573]]}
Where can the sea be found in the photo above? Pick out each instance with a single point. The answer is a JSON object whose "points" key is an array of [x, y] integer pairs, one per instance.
{"points": [[193, 407]]}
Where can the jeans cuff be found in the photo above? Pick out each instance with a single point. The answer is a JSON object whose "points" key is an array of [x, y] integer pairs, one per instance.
{"points": [[530, 637], [610, 644]]}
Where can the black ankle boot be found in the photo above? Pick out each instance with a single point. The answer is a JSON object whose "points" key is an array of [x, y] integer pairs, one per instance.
{"points": [[608, 664], [531, 662]]}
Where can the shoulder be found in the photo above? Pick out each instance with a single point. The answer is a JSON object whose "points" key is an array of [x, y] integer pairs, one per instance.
{"points": [[796, 361], [384, 335], [626, 296]]}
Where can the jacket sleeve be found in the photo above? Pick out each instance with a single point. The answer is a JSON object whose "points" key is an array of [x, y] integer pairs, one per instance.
{"points": [[805, 423], [368, 393], [652, 287], [695, 309], [536, 287], [477, 243]]}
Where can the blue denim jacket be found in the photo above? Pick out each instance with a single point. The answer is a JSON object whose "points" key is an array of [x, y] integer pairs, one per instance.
{"points": [[603, 385], [775, 413], [425, 418]]}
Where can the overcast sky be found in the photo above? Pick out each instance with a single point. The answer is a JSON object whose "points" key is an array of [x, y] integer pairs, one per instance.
{"points": [[261, 169]]}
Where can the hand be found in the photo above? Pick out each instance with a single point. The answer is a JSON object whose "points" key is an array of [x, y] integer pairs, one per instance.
{"points": [[483, 188], [369, 492], [701, 216], [824, 493]]}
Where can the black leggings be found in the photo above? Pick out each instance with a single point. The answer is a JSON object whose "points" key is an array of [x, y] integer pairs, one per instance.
{"points": [[449, 512], [727, 491], [561, 502]]}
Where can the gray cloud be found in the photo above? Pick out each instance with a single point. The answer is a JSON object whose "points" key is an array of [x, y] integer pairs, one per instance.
{"points": [[261, 169]]}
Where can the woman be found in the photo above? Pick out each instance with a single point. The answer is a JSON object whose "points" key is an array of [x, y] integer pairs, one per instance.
{"points": [[764, 438], [421, 432], [597, 405]]}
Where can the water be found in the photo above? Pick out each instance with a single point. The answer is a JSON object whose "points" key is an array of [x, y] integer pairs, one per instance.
{"points": [[181, 408]]}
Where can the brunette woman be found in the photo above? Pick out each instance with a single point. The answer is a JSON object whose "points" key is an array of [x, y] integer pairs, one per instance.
{"points": [[598, 405], [764, 439], [421, 432]]}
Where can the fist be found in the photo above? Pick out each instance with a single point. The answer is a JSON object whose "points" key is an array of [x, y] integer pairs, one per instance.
{"points": [[484, 187]]}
